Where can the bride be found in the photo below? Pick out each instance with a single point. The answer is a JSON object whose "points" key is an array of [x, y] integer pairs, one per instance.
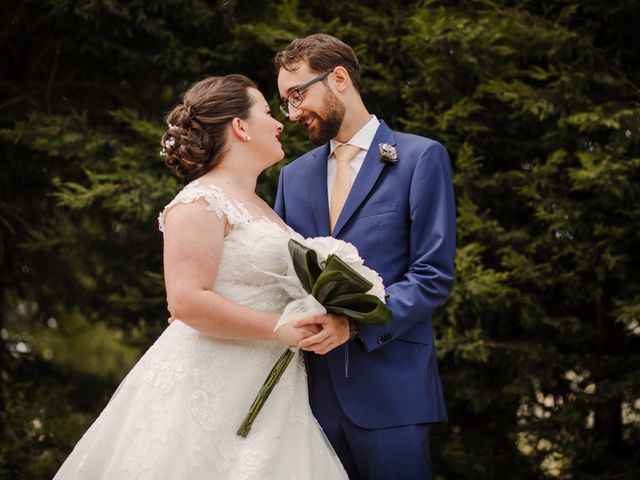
{"points": [[176, 413]]}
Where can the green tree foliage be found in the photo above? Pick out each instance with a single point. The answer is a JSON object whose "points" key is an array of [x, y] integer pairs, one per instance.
{"points": [[538, 104], [543, 118]]}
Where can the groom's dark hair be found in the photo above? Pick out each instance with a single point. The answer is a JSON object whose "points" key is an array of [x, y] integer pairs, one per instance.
{"points": [[323, 53]]}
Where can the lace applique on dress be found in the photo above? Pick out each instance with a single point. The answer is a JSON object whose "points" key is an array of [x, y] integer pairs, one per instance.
{"points": [[218, 202]]}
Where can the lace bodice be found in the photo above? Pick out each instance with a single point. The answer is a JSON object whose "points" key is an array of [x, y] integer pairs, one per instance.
{"points": [[217, 201], [254, 252]]}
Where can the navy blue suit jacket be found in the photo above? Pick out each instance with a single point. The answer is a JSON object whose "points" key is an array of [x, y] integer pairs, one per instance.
{"points": [[401, 217]]}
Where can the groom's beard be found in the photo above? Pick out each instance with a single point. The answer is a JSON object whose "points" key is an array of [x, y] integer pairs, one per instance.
{"points": [[328, 127]]}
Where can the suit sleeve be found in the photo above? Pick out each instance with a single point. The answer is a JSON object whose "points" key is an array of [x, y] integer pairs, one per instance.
{"points": [[431, 251], [279, 205]]}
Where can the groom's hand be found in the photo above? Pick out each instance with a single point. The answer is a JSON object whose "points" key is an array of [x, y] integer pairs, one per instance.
{"points": [[335, 332]]}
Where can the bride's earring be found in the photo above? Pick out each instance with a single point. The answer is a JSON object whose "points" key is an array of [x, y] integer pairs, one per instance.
{"points": [[247, 137]]}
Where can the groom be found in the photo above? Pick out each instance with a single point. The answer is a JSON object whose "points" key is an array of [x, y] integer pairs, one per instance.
{"points": [[374, 389]]}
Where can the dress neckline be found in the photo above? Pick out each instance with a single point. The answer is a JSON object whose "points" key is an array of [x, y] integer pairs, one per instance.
{"points": [[240, 205]]}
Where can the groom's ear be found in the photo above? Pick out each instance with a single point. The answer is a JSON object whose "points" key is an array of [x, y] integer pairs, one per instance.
{"points": [[341, 78]]}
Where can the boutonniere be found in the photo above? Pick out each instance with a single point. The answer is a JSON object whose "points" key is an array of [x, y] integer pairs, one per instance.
{"points": [[388, 153]]}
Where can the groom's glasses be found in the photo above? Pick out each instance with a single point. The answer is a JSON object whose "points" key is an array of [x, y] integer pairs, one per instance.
{"points": [[295, 98]]}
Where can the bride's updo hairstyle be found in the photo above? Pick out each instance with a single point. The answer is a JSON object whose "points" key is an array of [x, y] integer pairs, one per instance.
{"points": [[196, 128]]}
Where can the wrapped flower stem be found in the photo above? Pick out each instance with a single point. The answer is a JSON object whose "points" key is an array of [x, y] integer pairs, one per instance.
{"points": [[267, 387]]}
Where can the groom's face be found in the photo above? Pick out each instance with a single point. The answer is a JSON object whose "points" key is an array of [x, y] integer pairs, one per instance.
{"points": [[321, 111]]}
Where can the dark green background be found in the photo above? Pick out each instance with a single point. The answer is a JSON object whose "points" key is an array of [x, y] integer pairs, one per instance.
{"points": [[538, 104]]}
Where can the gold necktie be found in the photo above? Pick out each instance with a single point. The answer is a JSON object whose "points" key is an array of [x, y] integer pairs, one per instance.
{"points": [[342, 183]]}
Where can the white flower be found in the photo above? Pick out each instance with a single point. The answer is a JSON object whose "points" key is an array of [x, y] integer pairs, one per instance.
{"points": [[325, 246], [378, 287], [168, 143], [388, 153]]}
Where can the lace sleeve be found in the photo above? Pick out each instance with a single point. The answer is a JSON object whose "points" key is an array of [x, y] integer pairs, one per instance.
{"points": [[217, 202]]}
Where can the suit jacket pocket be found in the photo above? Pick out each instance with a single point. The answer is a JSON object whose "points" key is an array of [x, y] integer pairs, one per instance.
{"points": [[378, 208]]}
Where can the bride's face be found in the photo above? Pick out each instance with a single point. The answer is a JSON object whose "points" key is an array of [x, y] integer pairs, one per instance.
{"points": [[264, 129]]}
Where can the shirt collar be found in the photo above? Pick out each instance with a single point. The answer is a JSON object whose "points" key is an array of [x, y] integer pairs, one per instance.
{"points": [[362, 138]]}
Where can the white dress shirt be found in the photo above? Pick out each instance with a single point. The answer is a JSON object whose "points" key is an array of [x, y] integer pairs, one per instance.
{"points": [[362, 139]]}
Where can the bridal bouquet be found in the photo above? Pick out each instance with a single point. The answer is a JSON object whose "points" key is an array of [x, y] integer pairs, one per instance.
{"points": [[328, 276]]}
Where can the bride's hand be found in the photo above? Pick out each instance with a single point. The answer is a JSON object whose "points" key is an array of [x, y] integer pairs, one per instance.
{"points": [[290, 335], [335, 332]]}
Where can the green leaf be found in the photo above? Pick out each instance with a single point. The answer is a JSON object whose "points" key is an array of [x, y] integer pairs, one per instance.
{"points": [[338, 278], [361, 307], [305, 263]]}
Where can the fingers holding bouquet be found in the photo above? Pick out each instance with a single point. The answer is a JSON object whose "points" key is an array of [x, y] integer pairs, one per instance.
{"points": [[333, 331], [291, 334]]}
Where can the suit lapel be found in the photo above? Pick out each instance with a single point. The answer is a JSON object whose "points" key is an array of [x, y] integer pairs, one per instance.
{"points": [[366, 179], [317, 188]]}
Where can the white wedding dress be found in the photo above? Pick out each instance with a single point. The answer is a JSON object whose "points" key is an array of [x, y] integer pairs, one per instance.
{"points": [[176, 413]]}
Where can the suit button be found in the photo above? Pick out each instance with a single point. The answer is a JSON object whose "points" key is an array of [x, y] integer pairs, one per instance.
{"points": [[384, 338]]}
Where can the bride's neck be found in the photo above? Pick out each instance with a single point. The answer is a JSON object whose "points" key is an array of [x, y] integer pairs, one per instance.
{"points": [[231, 177]]}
